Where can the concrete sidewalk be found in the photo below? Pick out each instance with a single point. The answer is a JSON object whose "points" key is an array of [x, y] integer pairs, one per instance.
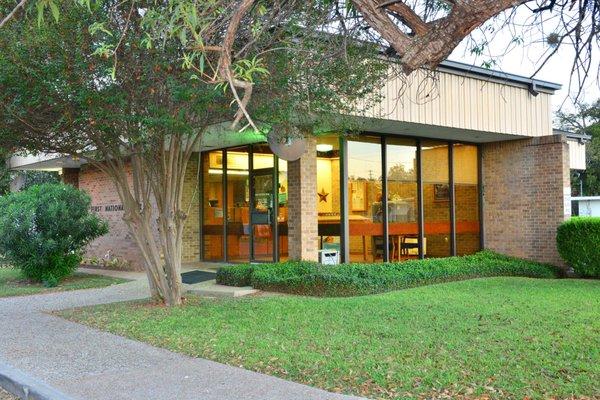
{"points": [[88, 364]]}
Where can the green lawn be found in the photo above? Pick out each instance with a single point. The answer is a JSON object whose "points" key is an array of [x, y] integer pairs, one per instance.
{"points": [[496, 337], [12, 283]]}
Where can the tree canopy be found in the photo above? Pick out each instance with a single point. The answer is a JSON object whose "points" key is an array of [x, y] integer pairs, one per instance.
{"points": [[586, 120], [422, 33], [125, 90]]}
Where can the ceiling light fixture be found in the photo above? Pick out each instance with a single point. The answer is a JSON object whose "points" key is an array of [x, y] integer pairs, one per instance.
{"points": [[324, 148]]}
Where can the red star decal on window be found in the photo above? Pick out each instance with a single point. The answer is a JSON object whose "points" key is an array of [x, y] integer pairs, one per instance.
{"points": [[323, 196]]}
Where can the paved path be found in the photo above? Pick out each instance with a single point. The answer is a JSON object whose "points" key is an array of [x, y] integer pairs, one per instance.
{"points": [[4, 395], [89, 364]]}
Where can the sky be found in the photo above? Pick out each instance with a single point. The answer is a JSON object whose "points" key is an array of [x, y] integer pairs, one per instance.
{"points": [[523, 59]]}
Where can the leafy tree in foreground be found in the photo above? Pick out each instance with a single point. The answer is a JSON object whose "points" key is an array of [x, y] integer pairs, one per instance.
{"points": [[5, 176], [44, 229], [585, 120], [132, 93], [422, 33]]}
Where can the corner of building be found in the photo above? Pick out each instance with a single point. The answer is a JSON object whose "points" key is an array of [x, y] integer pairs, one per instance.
{"points": [[526, 195]]}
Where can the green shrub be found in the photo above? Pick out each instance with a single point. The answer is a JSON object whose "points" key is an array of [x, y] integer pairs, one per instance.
{"points": [[310, 278], [578, 241], [44, 229], [235, 275]]}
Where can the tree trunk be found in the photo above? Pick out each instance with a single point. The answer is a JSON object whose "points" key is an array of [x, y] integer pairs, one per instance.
{"points": [[157, 183]]}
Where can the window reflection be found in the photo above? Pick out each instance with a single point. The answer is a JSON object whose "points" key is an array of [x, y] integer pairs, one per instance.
{"points": [[436, 198], [365, 203], [238, 198], [403, 206], [282, 218], [365, 211], [212, 206], [466, 194], [328, 192]]}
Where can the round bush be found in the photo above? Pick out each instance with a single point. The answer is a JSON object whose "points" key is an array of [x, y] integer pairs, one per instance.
{"points": [[578, 242], [44, 229]]}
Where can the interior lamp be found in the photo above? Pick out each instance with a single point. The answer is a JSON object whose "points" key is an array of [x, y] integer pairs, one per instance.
{"points": [[324, 148]]}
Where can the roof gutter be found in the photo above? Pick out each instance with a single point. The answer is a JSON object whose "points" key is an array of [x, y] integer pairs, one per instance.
{"points": [[535, 86], [581, 138]]}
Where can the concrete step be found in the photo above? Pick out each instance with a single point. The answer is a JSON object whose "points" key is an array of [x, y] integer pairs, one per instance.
{"points": [[211, 289]]}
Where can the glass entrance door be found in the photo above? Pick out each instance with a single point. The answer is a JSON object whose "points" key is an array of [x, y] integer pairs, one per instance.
{"points": [[262, 214]]}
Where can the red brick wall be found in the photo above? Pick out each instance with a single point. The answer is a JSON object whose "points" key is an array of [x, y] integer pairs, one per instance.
{"points": [[119, 242], [526, 190], [191, 205], [302, 205]]}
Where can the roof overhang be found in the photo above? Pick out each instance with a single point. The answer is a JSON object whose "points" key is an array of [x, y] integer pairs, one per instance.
{"points": [[43, 162], [533, 85], [585, 198], [579, 137]]}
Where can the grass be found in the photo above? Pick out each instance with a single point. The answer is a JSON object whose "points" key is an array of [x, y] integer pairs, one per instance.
{"points": [[494, 337], [12, 283]]}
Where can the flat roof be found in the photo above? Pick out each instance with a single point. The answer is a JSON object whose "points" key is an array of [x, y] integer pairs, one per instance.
{"points": [[460, 67], [585, 198], [581, 137]]}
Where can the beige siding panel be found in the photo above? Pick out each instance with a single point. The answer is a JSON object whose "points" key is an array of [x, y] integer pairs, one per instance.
{"points": [[576, 154], [462, 102]]}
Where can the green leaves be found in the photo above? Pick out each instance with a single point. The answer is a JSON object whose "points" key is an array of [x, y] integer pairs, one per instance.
{"points": [[104, 50], [310, 278], [99, 27], [42, 6], [248, 69], [44, 229], [578, 242]]}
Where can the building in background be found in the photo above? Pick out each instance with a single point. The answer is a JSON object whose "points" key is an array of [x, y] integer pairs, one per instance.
{"points": [[586, 206]]}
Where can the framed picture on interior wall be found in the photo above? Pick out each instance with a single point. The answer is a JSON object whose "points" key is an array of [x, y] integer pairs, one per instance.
{"points": [[358, 196], [441, 192]]}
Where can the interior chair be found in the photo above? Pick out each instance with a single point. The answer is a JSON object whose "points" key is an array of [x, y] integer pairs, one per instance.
{"points": [[377, 247], [408, 243]]}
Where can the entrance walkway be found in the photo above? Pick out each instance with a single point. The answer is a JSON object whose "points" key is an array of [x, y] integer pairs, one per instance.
{"points": [[85, 363]]}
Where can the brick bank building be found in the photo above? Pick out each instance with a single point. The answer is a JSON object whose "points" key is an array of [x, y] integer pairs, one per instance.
{"points": [[474, 165]]}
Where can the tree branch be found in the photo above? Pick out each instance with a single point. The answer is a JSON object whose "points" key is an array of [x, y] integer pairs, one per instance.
{"points": [[225, 64], [409, 17], [13, 12], [434, 41]]}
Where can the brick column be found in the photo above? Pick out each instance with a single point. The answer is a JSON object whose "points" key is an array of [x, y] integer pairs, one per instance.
{"points": [[526, 188], [302, 205], [70, 176]]}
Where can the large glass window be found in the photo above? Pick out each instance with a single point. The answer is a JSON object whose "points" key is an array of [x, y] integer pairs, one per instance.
{"points": [[238, 211], [212, 206], [247, 195], [365, 199], [282, 216], [328, 192], [436, 198], [466, 195], [250, 195], [263, 210], [403, 228]]}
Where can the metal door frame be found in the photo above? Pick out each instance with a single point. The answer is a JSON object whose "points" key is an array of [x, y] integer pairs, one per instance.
{"points": [[272, 171]]}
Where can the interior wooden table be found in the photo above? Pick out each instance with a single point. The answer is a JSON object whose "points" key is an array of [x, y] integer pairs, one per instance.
{"points": [[362, 226]]}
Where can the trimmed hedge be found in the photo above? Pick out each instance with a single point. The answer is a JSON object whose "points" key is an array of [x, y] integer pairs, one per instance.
{"points": [[313, 279], [235, 275], [578, 242]]}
